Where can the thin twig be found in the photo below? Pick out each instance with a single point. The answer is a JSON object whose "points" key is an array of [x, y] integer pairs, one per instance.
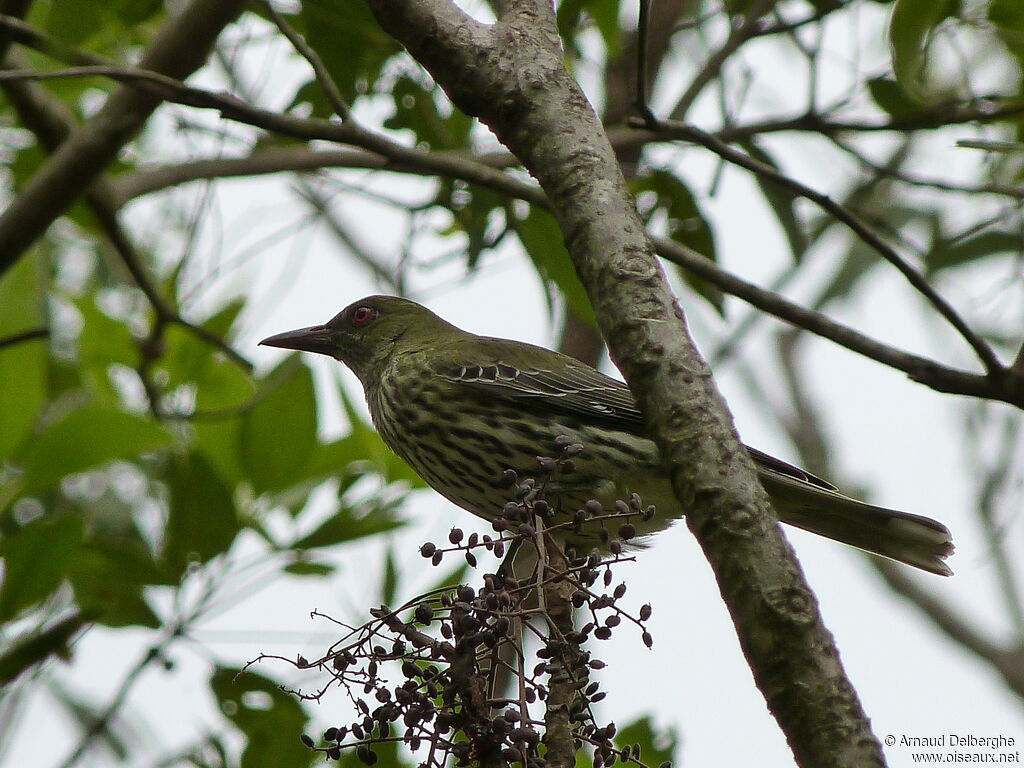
{"points": [[178, 48], [991, 483], [1016, 192], [805, 429], [1010, 663], [25, 34], [102, 722], [320, 71], [982, 349], [362, 255], [742, 30], [233, 108], [51, 125], [935, 375], [642, 28], [22, 336]]}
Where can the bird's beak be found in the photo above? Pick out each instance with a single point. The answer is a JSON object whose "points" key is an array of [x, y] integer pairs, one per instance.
{"points": [[315, 338]]}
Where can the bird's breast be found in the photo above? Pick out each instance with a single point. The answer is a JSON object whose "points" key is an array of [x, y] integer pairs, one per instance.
{"points": [[461, 441]]}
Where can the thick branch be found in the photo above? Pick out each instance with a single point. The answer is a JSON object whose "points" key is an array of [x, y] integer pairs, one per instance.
{"points": [[512, 76], [147, 180], [180, 48], [47, 118]]}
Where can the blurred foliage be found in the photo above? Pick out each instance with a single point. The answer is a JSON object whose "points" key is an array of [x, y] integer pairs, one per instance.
{"points": [[137, 452]]}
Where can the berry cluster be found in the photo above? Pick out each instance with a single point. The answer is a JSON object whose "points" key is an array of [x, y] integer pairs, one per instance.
{"points": [[449, 675]]}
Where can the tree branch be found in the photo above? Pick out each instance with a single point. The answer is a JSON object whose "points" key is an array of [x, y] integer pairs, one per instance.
{"points": [[1009, 663], [323, 77], [15, 10], [1008, 389], [146, 180], [746, 27], [985, 353], [512, 76], [1008, 386], [179, 49], [804, 428], [46, 117]]}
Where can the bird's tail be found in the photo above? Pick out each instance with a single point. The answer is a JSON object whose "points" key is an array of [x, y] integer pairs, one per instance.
{"points": [[911, 539]]}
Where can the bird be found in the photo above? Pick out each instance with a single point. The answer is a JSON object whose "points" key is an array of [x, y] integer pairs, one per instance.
{"points": [[464, 410]]}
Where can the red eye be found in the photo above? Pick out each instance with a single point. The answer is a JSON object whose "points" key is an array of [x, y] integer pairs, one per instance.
{"points": [[363, 315]]}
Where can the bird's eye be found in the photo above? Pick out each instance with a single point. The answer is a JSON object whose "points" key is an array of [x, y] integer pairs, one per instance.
{"points": [[363, 315]]}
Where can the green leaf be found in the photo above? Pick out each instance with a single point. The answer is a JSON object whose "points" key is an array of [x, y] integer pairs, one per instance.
{"points": [[656, 746], [73, 22], [22, 166], [944, 255], [833, 5], [416, 109], [108, 578], [686, 224], [349, 41], [87, 438], [345, 526], [221, 386], [389, 585], [910, 30], [270, 719], [219, 381], [22, 365], [223, 391], [604, 14], [223, 321], [134, 12], [202, 522], [891, 98], [1008, 18], [542, 239], [219, 440], [80, 22], [102, 343], [309, 93], [781, 201], [478, 213], [306, 568], [104, 340], [278, 433], [25, 653], [36, 559]]}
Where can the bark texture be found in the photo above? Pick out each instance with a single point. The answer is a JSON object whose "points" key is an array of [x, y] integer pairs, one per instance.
{"points": [[510, 75]]}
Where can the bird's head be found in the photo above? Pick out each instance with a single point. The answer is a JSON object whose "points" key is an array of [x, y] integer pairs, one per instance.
{"points": [[364, 335]]}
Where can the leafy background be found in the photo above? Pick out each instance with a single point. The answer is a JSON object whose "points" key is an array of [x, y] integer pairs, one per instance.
{"points": [[175, 501]]}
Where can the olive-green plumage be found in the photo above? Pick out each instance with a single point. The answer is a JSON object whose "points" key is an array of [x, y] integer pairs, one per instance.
{"points": [[461, 409]]}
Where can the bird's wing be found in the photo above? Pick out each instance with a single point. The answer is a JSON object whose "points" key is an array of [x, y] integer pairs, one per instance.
{"points": [[573, 390], [768, 464], [581, 391]]}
